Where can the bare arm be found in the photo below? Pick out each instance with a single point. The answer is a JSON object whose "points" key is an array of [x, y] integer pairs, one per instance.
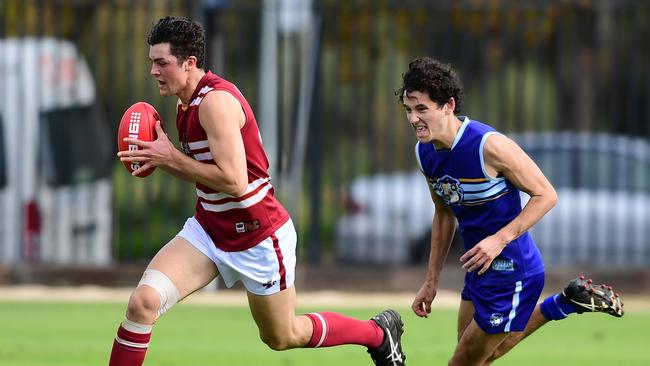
{"points": [[442, 233], [221, 117], [502, 156]]}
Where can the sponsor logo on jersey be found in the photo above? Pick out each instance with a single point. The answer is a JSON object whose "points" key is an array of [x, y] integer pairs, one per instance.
{"points": [[449, 189], [247, 226], [503, 265], [496, 319]]}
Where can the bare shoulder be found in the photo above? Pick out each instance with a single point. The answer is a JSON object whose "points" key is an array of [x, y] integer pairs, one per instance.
{"points": [[219, 99], [499, 147], [220, 105], [498, 143]]}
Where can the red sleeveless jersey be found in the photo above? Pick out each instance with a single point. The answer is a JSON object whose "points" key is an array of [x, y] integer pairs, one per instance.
{"points": [[233, 223]]}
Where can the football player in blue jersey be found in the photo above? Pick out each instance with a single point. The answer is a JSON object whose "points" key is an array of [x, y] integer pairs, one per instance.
{"points": [[475, 175]]}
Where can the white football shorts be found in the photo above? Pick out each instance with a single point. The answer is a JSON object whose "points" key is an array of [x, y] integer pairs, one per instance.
{"points": [[265, 269]]}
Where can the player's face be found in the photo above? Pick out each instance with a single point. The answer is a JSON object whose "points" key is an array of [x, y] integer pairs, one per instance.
{"points": [[171, 76], [427, 118]]}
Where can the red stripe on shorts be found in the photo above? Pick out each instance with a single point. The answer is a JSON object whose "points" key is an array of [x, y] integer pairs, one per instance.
{"points": [[282, 270]]}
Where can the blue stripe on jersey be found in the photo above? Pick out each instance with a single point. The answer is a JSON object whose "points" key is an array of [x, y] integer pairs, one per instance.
{"points": [[483, 200], [481, 186], [471, 194]]}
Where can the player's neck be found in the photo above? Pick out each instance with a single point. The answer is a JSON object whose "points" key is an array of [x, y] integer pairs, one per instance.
{"points": [[193, 79], [447, 137]]}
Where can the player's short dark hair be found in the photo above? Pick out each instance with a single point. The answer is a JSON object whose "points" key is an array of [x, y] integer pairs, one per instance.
{"points": [[439, 80], [185, 36]]}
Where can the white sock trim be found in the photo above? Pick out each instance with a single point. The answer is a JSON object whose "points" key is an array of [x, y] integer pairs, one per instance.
{"points": [[134, 327], [324, 326], [131, 344]]}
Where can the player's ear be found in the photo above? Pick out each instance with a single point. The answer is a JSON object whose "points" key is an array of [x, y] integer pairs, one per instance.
{"points": [[191, 61], [450, 105]]}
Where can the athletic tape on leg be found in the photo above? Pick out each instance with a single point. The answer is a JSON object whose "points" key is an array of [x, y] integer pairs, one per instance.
{"points": [[134, 327], [166, 289]]}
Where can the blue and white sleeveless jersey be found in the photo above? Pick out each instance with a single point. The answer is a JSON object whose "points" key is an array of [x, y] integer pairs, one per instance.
{"points": [[482, 204]]}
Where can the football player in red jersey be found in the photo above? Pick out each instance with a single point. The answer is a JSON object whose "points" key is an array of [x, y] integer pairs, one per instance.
{"points": [[239, 230]]}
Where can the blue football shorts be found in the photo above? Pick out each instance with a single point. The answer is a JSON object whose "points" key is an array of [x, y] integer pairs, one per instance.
{"points": [[502, 308]]}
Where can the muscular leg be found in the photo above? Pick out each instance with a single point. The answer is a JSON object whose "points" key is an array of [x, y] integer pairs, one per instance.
{"points": [[278, 325], [176, 271], [557, 307], [474, 345], [186, 267], [465, 314], [281, 329], [513, 338]]}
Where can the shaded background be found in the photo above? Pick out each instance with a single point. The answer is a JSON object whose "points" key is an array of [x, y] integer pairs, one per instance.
{"points": [[567, 79]]}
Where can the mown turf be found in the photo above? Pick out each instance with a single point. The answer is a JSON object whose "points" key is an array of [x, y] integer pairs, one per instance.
{"points": [[35, 334]]}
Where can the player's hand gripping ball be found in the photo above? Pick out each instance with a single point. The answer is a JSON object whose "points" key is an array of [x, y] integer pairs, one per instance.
{"points": [[138, 122]]}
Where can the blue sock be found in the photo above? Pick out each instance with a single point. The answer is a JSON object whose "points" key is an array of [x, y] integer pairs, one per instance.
{"points": [[554, 308]]}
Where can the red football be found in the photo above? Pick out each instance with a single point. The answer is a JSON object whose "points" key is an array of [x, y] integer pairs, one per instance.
{"points": [[139, 121]]}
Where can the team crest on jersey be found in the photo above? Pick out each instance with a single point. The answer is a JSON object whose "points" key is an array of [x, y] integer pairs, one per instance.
{"points": [[449, 189]]}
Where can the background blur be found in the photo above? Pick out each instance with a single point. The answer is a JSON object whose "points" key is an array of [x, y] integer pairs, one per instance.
{"points": [[567, 79]]}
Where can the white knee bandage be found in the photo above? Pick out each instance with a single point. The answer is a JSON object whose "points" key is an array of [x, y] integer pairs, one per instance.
{"points": [[165, 288]]}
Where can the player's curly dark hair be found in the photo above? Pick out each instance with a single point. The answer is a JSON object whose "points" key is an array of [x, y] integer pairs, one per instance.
{"points": [[437, 79], [185, 36]]}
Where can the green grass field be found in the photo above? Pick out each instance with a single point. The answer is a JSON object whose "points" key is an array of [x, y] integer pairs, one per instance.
{"points": [[70, 334]]}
